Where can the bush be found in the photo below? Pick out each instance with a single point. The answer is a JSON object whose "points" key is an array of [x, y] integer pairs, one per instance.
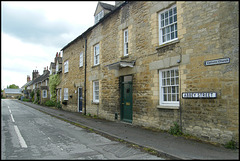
{"points": [[175, 130], [49, 103], [58, 105], [231, 145]]}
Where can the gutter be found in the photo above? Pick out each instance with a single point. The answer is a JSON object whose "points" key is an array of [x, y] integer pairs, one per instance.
{"points": [[85, 77]]}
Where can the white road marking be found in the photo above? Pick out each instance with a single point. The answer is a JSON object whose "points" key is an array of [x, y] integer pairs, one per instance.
{"points": [[10, 111], [12, 118], [21, 140]]}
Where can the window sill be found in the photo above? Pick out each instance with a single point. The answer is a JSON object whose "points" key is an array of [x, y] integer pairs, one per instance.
{"points": [[168, 107], [124, 57], [96, 103], [166, 44], [95, 65]]}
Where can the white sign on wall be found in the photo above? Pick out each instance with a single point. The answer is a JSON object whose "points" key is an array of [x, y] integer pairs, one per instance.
{"points": [[217, 61], [199, 95]]}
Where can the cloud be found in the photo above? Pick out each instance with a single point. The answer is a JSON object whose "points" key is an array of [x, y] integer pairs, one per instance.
{"points": [[32, 26]]}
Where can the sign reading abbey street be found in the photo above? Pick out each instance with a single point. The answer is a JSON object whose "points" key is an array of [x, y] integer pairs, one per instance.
{"points": [[217, 61], [199, 95]]}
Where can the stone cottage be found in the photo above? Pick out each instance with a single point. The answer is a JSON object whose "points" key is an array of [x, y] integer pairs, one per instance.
{"points": [[155, 63]]}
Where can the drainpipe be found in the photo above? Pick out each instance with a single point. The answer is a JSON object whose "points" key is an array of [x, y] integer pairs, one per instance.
{"points": [[85, 77]]}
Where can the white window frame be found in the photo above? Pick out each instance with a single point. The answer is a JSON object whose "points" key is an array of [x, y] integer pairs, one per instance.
{"points": [[44, 94], [46, 82], [66, 66], [125, 42], [56, 67], [81, 59], [96, 91], [99, 16], [168, 26], [96, 54], [169, 86], [65, 94]]}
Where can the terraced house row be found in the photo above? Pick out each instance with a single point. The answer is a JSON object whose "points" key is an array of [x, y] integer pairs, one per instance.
{"points": [[155, 63]]}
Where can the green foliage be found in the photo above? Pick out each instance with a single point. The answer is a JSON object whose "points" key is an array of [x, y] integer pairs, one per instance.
{"points": [[175, 130], [26, 100], [54, 80], [58, 105], [49, 103], [231, 145], [13, 86], [32, 95]]}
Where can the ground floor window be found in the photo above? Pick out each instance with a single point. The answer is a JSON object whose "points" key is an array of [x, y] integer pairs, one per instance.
{"points": [[96, 91], [169, 87], [65, 94], [44, 94]]}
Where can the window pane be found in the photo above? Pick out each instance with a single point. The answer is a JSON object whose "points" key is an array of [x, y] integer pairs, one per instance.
{"points": [[166, 21], [162, 23], [168, 73], [165, 97], [173, 97], [177, 80], [175, 18], [169, 97], [173, 89], [163, 31], [168, 37], [164, 90], [170, 12], [175, 10], [166, 14], [170, 20], [168, 81], [162, 16]]}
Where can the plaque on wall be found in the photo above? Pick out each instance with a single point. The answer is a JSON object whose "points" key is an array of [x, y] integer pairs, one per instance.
{"points": [[217, 61], [199, 95]]}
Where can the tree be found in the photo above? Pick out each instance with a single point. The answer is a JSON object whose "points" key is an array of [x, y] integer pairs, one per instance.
{"points": [[13, 86], [54, 80]]}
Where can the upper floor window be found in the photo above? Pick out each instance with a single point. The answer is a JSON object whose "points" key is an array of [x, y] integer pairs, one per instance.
{"points": [[125, 41], [168, 25], [96, 54], [57, 67], [99, 16], [81, 60], [66, 66]]}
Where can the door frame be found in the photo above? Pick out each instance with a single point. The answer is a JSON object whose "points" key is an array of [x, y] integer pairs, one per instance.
{"points": [[121, 85], [78, 99]]}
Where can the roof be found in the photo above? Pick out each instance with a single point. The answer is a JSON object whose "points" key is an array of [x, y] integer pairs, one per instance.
{"points": [[12, 91], [107, 6], [91, 28]]}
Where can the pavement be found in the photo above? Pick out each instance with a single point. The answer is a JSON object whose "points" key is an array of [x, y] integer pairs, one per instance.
{"points": [[160, 143]]}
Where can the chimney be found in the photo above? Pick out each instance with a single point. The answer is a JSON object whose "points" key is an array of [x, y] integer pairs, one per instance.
{"points": [[28, 78], [35, 74]]}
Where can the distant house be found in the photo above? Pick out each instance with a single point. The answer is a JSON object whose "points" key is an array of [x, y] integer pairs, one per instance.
{"points": [[12, 93]]}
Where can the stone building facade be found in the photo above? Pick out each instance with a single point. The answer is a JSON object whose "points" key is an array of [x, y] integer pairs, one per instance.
{"points": [[171, 62]]}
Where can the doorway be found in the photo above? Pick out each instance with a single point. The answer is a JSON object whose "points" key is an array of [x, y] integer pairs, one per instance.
{"points": [[126, 98], [80, 99]]}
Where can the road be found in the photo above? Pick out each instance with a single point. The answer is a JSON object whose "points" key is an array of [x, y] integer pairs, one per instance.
{"points": [[27, 133]]}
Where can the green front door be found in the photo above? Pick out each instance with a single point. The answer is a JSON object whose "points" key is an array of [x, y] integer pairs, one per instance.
{"points": [[126, 100]]}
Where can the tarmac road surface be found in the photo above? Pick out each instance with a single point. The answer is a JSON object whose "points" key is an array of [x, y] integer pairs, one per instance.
{"points": [[30, 134]]}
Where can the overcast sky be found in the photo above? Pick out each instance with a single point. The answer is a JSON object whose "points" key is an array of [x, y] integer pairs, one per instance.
{"points": [[32, 33]]}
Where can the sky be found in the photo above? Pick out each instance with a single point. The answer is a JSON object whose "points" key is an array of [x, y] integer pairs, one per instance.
{"points": [[32, 32]]}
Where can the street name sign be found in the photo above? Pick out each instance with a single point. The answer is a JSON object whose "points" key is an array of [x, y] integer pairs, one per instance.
{"points": [[199, 95], [217, 61]]}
